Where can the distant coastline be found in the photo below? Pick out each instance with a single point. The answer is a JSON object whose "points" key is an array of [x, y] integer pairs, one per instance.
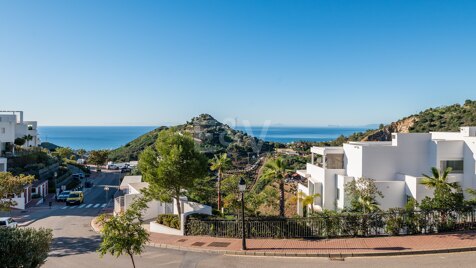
{"points": [[111, 137]]}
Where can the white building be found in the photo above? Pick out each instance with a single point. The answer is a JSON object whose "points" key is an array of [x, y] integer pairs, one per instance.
{"points": [[13, 126], [396, 166], [131, 187], [26, 196]]}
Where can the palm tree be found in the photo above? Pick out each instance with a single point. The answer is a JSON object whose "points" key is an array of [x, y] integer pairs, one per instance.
{"points": [[277, 170], [28, 138], [368, 204], [220, 164], [439, 180], [81, 153], [307, 200]]}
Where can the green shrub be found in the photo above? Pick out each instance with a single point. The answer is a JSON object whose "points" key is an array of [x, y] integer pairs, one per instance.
{"points": [[169, 220], [394, 221], [24, 247]]}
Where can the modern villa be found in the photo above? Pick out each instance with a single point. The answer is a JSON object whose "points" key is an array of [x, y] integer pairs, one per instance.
{"points": [[12, 126], [396, 166]]}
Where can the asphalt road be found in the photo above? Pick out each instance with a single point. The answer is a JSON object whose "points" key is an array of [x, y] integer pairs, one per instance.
{"points": [[75, 244]]}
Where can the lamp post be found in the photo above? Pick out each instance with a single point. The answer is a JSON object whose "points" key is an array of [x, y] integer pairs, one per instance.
{"points": [[242, 188], [106, 188], [55, 176]]}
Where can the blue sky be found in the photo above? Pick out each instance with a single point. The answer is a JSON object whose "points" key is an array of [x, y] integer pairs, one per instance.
{"points": [[308, 63]]}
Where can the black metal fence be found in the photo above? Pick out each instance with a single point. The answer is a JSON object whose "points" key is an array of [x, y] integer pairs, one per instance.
{"points": [[342, 225]]}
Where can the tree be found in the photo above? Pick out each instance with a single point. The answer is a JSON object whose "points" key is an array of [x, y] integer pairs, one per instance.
{"points": [[20, 141], [363, 195], [81, 153], [64, 152], [172, 166], [98, 157], [277, 170], [446, 195], [306, 201], [11, 185], [28, 138], [24, 247], [123, 233], [220, 163], [438, 180]]}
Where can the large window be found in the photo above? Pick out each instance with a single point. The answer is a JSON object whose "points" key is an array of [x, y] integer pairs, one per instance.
{"points": [[334, 161], [457, 166]]}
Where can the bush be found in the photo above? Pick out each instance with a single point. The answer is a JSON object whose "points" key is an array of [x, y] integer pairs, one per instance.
{"points": [[25, 247], [169, 220], [395, 221]]}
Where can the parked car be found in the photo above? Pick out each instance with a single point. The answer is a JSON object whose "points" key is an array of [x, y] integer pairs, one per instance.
{"points": [[125, 169], [62, 196], [8, 222], [74, 198], [112, 167], [78, 176]]}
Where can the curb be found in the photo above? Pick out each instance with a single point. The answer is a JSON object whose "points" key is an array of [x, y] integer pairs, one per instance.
{"points": [[318, 255]]}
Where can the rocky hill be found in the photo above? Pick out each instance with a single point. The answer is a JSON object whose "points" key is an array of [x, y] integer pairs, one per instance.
{"points": [[444, 118], [211, 135]]}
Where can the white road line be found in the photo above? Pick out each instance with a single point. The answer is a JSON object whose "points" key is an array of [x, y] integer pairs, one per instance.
{"points": [[88, 206], [104, 205], [97, 205], [65, 207], [73, 207], [82, 206]]}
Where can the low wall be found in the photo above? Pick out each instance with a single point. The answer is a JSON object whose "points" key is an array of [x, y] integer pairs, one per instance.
{"points": [[162, 229]]}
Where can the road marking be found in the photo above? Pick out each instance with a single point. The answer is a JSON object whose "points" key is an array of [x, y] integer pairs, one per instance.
{"points": [[82, 206], [97, 205], [65, 207], [104, 205], [73, 206], [88, 206]]}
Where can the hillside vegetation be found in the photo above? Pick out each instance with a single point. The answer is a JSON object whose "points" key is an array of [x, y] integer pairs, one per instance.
{"points": [[444, 118], [211, 136]]}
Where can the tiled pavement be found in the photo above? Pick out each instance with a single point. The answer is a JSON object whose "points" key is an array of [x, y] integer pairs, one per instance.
{"points": [[418, 244], [343, 247]]}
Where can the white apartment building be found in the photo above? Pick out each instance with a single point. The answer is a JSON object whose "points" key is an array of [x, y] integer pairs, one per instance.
{"points": [[13, 126], [396, 166]]}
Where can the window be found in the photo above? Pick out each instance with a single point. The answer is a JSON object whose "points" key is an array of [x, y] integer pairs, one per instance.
{"points": [[338, 194], [457, 166], [2, 130], [334, 161]]}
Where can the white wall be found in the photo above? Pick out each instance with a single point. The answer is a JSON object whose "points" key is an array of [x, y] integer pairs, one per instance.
{"points": [[393, 192], [7, 124], [353, 160]]}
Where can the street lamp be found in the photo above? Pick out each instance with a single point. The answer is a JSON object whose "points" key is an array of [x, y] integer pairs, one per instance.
{"points": [[55, 175], [242, 188], [106, 188]]}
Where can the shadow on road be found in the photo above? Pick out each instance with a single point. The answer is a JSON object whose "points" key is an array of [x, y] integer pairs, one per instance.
{"points": [[66, 246]]}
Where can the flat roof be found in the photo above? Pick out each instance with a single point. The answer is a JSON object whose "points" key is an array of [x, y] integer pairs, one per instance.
{"points": [[128, 180], [326, 150], [139, 185], [371, 143]]}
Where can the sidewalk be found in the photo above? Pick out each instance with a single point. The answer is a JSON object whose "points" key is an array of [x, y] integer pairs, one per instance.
{"points": [[343, 247]]}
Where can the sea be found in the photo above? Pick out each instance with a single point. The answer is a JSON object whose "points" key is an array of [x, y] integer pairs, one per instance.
{"points": [[111, 137]]}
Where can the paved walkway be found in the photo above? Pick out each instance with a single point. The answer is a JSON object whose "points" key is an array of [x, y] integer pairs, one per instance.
{"points": [[343, 247], [346, 247]]}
